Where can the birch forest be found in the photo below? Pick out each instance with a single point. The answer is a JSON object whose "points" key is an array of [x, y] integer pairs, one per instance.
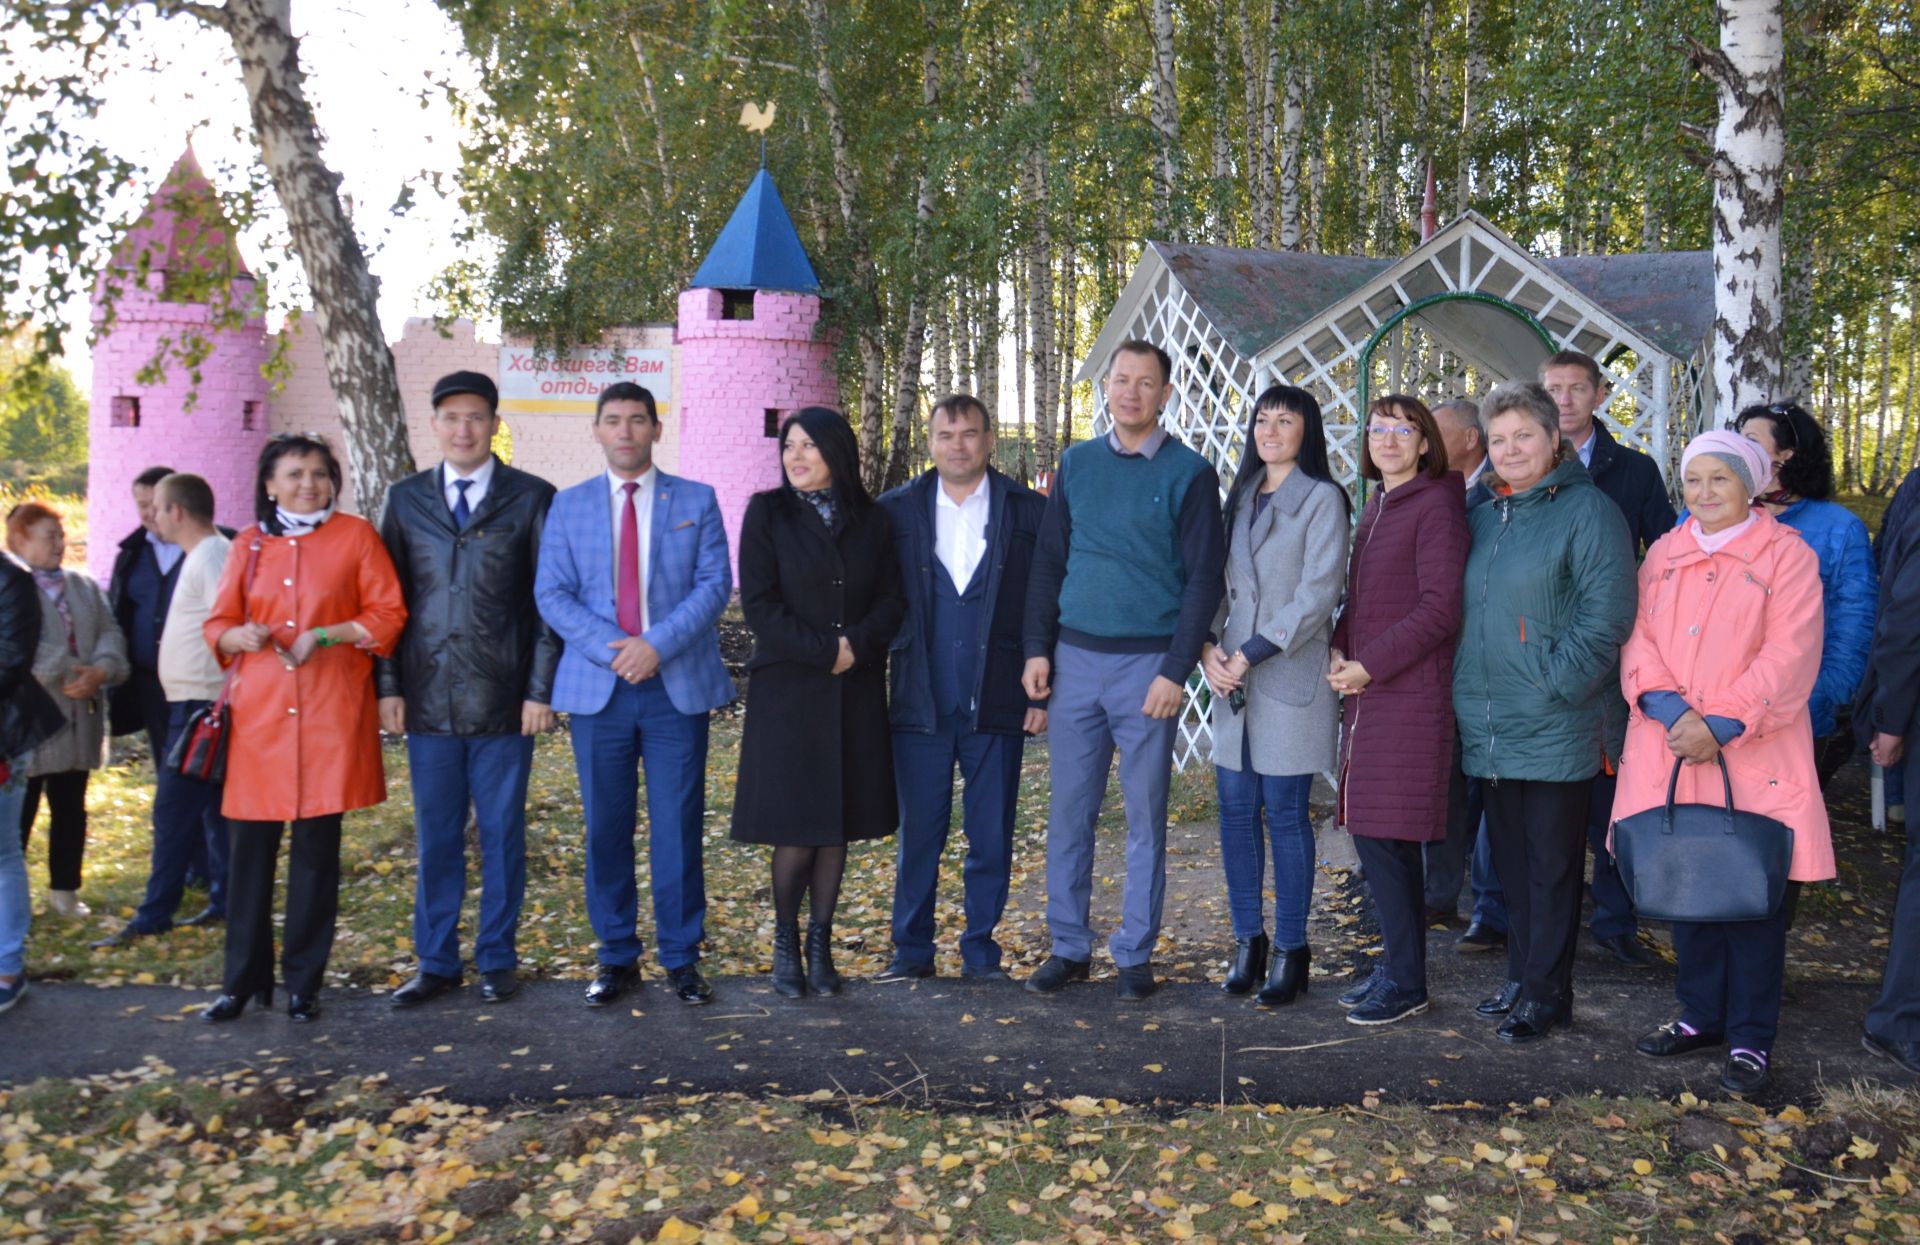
{"points": [[975, 178]]}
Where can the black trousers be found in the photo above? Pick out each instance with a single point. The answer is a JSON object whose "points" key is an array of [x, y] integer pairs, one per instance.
{"points": [[66, 794], [313, 901], [1730, 978], [1538, 831], [1396, 878]]}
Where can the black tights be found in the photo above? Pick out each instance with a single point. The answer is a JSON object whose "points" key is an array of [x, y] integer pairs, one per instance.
{"points": [[814, 870]]}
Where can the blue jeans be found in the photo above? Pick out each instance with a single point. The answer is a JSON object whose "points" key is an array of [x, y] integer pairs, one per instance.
{"points": [[451, 772], [14, 911], [923, 769], [640, 726], [1244, 797], [187, 827]]}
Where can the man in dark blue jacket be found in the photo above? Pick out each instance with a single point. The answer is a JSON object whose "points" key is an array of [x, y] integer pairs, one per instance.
{"points": [[964, 534], [1632, 481]]}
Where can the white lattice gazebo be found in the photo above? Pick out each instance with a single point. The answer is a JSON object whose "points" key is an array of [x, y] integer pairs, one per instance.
{"points": [[1467, 309]]}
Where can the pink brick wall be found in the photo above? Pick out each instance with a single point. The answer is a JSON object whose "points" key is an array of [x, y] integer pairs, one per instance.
{"points": [[731, 372], [208, 440]]}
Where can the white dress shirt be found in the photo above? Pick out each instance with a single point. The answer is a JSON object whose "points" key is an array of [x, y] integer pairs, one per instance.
{"points": [[1585, 448], [482, 478], [643, 508], [960, 531], [188, 669]]}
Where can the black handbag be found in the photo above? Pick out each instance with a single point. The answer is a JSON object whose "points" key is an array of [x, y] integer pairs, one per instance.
{"points": [[1703, 862], [199, 751]]}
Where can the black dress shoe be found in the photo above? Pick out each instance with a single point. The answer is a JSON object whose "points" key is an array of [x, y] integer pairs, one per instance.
{"points": [[610, 983], [1626, 949], [424, 988], [303, 1008], [789, 976], [1745, 1073], [1363, 989], [1287, 978], [905, 970], [689, 986], [985, 972], [1527, 1022], [1478, 938], [1904, 1053], [206, 916], [1055, 973], [821, 975], [230, 1006], [499, 985], [1249, 964], [121, 937], [1388, 1004], [1136, 982], [1502, 1001], [1670, 1040]]}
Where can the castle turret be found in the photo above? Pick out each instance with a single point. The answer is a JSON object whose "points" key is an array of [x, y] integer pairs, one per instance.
{"points": [[175, 273], [750, 352]]}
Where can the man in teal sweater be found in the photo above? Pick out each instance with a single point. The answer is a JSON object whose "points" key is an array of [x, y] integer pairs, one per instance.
{"points": [[1129, 569]]}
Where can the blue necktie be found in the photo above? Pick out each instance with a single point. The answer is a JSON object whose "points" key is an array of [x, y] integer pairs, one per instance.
{"points": [[461, 511]]}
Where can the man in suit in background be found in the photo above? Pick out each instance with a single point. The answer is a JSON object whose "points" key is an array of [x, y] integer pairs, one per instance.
{"points": [[633, 575], [470, 685], [964, 534]]}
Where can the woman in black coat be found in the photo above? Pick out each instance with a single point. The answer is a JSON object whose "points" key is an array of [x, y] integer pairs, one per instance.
{"points": [[820, 589]]}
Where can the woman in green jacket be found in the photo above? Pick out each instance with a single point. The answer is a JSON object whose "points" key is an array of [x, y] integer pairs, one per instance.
{"points": [[1550, 598]]}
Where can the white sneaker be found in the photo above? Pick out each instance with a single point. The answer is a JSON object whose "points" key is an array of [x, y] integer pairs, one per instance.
{"points": [[67, 904]]}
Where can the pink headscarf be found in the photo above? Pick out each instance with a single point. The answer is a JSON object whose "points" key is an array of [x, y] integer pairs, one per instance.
{"points": [[1748, 460]]}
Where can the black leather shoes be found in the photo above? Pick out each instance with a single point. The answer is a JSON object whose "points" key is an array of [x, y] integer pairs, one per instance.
{"points": [[424, 988], [1136, 982], [302, 1009], [1055, 973], [1745, 1073], [1502, 1001], [1527, 1022], [1388, 1004], [610, 983], [230, 1006], [905, 970], [689, 986], [1478, 938], [1670, 1040], [985, 972], [1286, 978], [206, 916], [1626, 949], [121, 937], [1363, 989], [821, 976], [499, 985], [1249, 964], [1904, 1053], [789, 978]]}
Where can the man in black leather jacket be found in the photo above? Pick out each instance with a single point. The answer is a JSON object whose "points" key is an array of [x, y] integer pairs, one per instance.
{"points": [[471, 683], [27, 716]]}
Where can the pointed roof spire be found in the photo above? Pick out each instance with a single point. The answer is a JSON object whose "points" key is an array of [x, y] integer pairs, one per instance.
{"points": [[1429, 211], [183, 227], [759, 248]]}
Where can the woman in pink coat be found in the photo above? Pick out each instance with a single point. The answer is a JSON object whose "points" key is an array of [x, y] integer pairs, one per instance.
{"points": [[1724, 653]]}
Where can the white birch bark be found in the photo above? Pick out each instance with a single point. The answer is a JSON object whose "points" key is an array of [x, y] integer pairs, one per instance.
{"points": [[1748, 156], [905, 433], [1293, 122], [1039, 256], [1473, 73], [1259, 133], [1166, 119]]}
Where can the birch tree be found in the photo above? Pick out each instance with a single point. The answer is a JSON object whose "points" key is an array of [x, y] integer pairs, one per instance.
{"points": [[1166, 120]]}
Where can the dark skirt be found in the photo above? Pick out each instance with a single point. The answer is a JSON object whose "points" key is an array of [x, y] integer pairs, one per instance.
{"points": [[816, 759]]}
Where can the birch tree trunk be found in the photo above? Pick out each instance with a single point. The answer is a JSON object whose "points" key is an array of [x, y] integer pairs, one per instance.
{"points": [[1039, 257], [1749, 152], [905, 432], [1878, 480], [1069, 343], [1259, 127], [1166, 119], [653, 115], [938, 318], [1220, 194], [873, 361], [1473, 73], [1293, 121], [1903, 458], [360, 368]]}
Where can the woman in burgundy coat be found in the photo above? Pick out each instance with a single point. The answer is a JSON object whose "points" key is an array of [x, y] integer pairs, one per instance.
{"points": [[1392, 659]]}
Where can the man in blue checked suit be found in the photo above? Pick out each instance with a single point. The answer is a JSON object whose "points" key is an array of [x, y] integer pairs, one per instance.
{"points": [[633, 575]]}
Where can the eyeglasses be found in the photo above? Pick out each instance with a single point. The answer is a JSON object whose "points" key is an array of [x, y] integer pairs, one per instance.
{"points": [[1380, 432], [1785, 410]]}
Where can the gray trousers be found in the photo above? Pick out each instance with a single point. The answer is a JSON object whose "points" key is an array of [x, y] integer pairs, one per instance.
{"points": [[1096, 707], [1896, 1016]]}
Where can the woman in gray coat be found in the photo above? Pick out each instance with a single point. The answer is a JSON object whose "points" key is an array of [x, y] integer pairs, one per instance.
{"points": [[1274, 714], [81, 654]]}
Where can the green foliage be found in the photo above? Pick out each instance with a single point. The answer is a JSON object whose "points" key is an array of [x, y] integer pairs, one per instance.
{"points": [[43, 414]]}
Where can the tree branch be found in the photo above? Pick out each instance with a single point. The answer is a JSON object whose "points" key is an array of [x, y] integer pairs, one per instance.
{"points": [[751, 61]]}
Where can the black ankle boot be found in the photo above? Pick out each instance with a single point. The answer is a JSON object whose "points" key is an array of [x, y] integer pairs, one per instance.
{"points": [[788, 977], [821, 978], [1249, 964], [1287, 979]]}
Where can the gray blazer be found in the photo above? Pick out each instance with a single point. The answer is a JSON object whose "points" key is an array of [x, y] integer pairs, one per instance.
{"points": [[1285, 576], [82, 742]]}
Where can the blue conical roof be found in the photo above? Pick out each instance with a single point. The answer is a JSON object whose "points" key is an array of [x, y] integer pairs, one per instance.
{"points": [[759, 249]]}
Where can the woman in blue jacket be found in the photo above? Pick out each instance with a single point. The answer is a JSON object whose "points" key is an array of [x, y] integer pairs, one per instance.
{"points": [[1800, 497]]}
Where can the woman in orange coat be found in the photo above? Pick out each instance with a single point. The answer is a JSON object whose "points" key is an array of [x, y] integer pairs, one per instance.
{"points": [[307, 599], [1722, 662]]}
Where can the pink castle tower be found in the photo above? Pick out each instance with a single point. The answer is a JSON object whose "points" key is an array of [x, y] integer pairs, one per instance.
{"points": [[749, 353], [180, 237]]}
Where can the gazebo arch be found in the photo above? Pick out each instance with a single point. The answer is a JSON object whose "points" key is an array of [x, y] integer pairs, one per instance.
{"points": [[1462, 311]]}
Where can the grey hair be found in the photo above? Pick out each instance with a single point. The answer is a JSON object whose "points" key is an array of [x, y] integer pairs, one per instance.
{"points": [[1471, 416]]}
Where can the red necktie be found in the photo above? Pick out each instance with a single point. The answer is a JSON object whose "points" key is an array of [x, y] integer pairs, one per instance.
{"points": [[629, 581]]}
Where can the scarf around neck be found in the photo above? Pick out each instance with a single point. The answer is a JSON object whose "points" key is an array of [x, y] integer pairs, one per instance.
{"points": [[300, 524]]}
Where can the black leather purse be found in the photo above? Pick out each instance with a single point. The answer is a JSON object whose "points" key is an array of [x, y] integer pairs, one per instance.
{"points": [[199, 751], [1702, 862]]}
